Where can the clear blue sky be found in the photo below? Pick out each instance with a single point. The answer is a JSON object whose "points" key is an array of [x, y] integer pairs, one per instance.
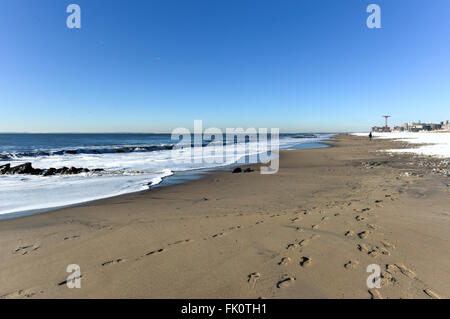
{"points": [[150, 66]]}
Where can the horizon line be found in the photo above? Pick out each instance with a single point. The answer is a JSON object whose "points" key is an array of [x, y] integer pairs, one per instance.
{"points": [[130, 132]]}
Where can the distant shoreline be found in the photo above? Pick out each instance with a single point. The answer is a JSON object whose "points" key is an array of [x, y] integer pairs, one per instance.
{"points": [[173, 178]]}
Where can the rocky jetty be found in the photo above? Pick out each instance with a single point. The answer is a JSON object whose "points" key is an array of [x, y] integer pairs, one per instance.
{"points": [[27, 168], [305, 136], [240, 170]]}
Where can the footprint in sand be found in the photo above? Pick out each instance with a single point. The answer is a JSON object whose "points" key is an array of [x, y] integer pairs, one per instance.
{"points": [[114, 261], [253, 278], [155, 252], [388, 244], [284, 261], [373, 253], [305, 261], [72, 237], [23, 250], [431, 294], [315, 226], [359, 218], [303, 243], [218, 235], [349, 233], [181, 242], [27, 293], [387, 279], [291, 246], [375, 294], [363, 234], [406, 271], [362, 247], [285, 282], [351, 264]]}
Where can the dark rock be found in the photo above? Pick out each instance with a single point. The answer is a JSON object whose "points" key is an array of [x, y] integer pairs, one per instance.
{"points": [[305, 136], [237, 170], [61, 170], [5, 168], [248, 170], [26, 168], [49, 172], [73, 170]]}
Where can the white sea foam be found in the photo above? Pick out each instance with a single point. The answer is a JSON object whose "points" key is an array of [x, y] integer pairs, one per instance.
{"points": [[434, 144], [123, 173], [36, 192]]}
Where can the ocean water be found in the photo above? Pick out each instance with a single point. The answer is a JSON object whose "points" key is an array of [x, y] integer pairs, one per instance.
{"points": [[131, 163]]}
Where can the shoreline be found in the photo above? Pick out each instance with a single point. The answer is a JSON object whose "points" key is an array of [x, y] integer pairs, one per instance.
{"points": [[246, 235], [174, 179]]}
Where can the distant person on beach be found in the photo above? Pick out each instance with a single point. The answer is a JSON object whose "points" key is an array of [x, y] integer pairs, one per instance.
{"points": [[370, 136]]}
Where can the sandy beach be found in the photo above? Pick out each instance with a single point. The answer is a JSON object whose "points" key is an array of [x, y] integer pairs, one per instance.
{"points": [[309, 231]]}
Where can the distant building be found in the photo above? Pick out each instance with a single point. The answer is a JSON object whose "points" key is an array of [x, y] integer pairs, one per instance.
{"points": [[381, 129], [446, 125], [415, 127], [434, 126]]}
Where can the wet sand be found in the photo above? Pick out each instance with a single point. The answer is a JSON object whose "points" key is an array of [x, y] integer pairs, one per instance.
{"points": [[309, 231]]}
